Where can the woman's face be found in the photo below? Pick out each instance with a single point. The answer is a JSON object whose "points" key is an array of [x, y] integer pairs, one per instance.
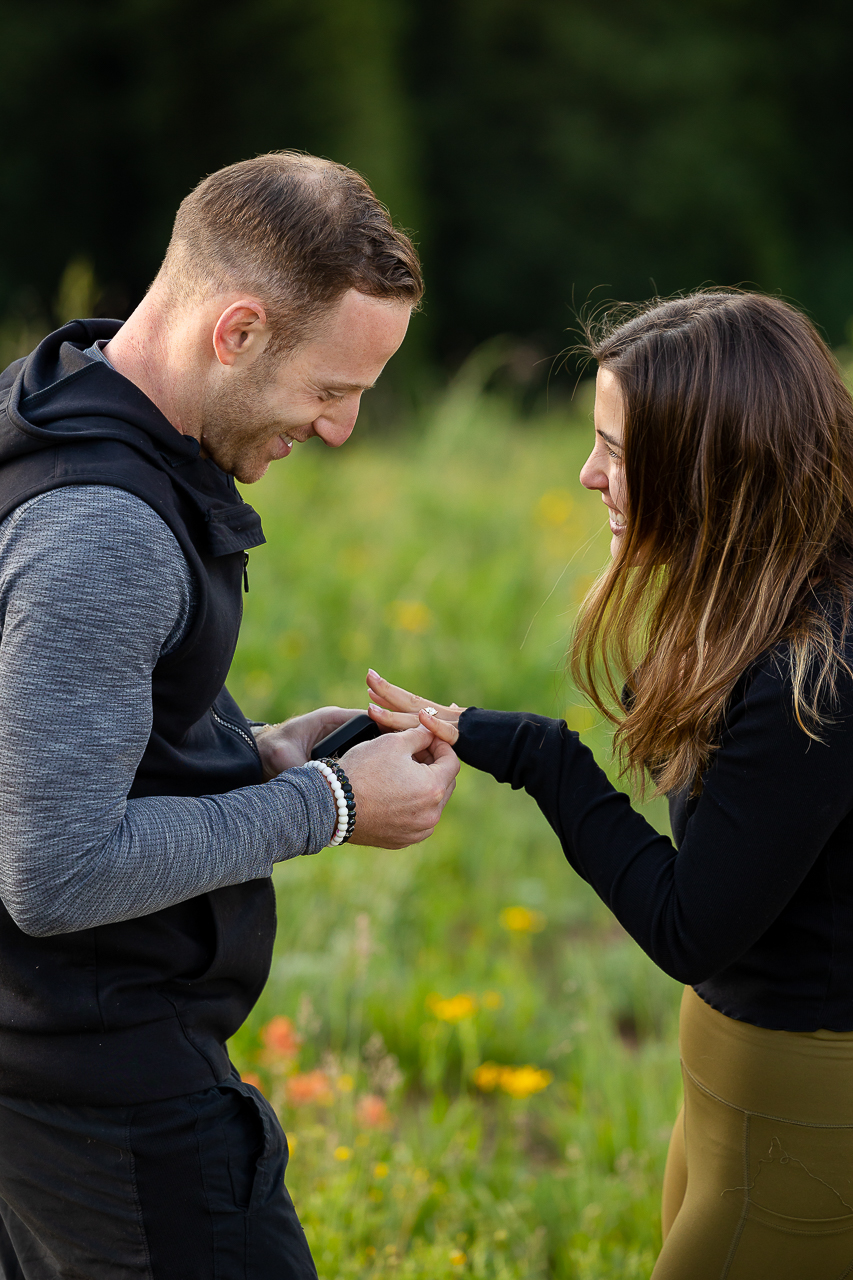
{"points": [[604, 469]]}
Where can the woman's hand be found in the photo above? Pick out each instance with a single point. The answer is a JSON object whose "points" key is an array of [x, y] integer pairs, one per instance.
{"points": [[395, 708]]}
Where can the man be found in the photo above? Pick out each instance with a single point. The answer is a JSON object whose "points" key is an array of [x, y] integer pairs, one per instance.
{"points": [[141, 812]]}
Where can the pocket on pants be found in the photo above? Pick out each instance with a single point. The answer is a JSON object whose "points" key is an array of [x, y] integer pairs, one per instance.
{"points": [[799, 1211], [801, 1172], [243, 1149]]}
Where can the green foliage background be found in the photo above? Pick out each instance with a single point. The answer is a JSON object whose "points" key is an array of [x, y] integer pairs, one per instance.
{"points": [[452, 559]]}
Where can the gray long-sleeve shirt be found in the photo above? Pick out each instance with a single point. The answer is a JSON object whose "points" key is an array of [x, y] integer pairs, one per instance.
{"points": [[93, 588]]}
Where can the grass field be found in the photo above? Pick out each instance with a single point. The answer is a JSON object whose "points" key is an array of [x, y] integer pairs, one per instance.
{"points": [[476, 1068]]}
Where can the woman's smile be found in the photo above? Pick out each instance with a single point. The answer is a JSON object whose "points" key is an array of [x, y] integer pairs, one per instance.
{"points": [[618, 522]]}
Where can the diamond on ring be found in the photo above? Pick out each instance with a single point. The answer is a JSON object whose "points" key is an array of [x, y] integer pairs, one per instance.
{"points": [[430, 711]]}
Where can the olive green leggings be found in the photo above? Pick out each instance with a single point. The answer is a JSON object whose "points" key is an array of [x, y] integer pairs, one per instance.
{"points": [[759, 1176]]}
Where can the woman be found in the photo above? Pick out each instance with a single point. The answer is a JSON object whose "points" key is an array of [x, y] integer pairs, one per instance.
{"points": [[724, 455]]}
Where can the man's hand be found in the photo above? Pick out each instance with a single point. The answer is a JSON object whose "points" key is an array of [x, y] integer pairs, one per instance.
{"points": [[288, 745], [401, 783]]}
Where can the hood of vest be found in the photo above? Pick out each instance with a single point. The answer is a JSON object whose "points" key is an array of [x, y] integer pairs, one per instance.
{"points": [[58, 396]]}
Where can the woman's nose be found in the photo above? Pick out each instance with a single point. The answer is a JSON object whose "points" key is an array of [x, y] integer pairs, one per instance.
{"points": [[592, 476]]}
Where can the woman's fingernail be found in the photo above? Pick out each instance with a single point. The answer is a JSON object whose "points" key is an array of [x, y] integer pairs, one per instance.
{"points": [[371, 706], [371, 672]]}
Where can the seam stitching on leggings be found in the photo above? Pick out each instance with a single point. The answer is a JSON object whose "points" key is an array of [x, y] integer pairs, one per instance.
{"points": [[745, 1210], [799, 1231], [764, 1115]]}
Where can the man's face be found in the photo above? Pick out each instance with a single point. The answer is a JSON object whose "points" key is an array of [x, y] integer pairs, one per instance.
{"points": [[253, 415]]}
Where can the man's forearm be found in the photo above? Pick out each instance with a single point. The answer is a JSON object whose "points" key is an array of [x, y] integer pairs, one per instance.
{"points": [[167, 849], [93, 588]]}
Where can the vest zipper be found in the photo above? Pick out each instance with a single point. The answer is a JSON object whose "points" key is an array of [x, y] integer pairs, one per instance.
{"points": [[246, 572], [235, 728]]}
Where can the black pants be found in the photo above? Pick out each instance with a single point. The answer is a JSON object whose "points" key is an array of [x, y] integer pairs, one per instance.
{"points": [[187, 1189]]}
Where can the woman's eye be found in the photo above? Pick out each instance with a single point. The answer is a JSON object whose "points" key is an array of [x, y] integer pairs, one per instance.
{"points": [[614, 455]]}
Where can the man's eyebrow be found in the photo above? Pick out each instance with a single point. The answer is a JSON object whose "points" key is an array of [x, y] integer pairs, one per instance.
{"points": [[610, 439], [336, 387]]}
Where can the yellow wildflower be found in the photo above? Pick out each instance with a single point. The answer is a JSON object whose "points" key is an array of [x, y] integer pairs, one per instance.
{"points": [[410, 615], [554, 508], [522, 920], [343, 1153], [520, 1082], [452, 1010], [488, 1076]]}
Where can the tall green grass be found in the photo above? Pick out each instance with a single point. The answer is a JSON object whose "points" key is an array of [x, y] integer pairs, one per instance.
{"points": [[452, 557]]}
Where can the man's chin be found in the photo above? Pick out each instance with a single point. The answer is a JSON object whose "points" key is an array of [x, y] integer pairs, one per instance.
{"points": [[250, 472]]}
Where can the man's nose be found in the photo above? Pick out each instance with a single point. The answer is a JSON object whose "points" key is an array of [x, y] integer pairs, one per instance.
{"points": [[335, 428]]}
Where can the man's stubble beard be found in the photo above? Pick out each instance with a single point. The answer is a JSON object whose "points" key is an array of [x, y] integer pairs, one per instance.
{"points": [[233, 431]]}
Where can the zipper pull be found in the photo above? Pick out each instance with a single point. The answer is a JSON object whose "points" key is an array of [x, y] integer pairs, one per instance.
{"points": [[246, 572]]}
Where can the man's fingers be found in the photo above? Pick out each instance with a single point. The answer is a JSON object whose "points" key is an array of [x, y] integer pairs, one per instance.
{"points": [[333, 717], [443, 729], [415, 739], [445, 765]]}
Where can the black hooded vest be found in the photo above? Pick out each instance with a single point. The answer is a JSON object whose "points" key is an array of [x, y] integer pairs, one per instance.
{"points": [[139, 1010]]}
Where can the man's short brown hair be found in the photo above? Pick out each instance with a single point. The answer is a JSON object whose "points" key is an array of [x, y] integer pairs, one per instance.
{"points": [[294, 230]]}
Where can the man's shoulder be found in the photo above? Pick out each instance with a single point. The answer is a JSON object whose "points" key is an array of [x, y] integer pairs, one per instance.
{"points": [[88, 523], [108, 505]]}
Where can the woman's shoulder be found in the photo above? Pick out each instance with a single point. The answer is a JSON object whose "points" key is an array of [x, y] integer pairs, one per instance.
{"points": [[812, 669]]}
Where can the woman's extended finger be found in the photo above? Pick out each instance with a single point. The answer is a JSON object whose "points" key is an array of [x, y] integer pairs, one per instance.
{"points": [[400, 701], [391, 696], [394, 720]]}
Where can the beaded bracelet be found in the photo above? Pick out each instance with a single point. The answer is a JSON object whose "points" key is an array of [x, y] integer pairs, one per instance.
{"points": [[344, 798]]}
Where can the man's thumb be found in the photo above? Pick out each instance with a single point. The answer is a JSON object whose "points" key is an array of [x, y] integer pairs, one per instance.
{"points": [[415, 740]]}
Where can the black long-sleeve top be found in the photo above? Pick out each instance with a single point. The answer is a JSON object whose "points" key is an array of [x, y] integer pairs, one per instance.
{"points": [[753, 905]]}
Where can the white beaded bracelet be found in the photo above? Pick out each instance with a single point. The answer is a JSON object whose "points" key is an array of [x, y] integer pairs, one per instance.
{"points": [[340, 800]]}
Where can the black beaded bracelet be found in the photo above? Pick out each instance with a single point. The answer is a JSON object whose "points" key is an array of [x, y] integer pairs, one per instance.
{"points": [[333, 766]]}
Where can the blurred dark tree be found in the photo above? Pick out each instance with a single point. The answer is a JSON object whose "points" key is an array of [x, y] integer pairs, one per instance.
{"points": [[544, 151], [617, 149]]}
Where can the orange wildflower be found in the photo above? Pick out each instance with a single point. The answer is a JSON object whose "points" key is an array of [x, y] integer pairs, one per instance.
{"points": [[308, 1087], [372, 1112], [280, 1038]]}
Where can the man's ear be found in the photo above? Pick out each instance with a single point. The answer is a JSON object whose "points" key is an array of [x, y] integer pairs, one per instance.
{"points": [[241, 332]]}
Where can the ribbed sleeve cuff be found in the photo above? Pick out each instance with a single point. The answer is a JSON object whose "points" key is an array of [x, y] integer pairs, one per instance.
{"points": [[320, 810]]}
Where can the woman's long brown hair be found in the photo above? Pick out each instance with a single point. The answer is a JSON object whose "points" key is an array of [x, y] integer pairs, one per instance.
{"points": [[738, 456]]}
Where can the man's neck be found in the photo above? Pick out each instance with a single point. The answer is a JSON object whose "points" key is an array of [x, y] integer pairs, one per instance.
{"points": [[154, 349]]}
